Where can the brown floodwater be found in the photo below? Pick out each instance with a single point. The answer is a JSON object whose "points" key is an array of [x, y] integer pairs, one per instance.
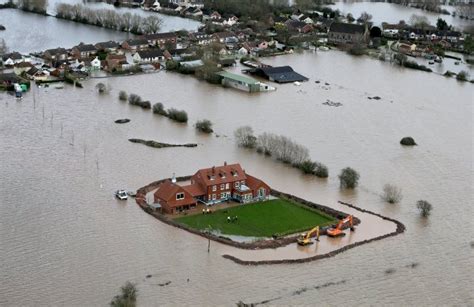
{"points": [[65, 240]]}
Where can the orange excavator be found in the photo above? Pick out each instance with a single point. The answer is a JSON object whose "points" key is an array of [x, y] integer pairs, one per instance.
{"points": [[305, 238], [337, 231]]}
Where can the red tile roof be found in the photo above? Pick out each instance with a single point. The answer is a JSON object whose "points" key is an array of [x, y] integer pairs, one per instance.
{"points": [[220, 174], [167, 194], [195, 189]]}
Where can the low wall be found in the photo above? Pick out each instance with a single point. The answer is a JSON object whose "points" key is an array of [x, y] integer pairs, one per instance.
{"points": [[280, 242], [400, 229], [263, 244]]}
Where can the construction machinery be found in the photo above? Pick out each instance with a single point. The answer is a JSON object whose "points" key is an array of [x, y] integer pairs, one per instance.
{"points": [[305, 238], [337, 231]]}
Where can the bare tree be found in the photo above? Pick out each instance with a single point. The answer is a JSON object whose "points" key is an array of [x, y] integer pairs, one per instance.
{"points": [[3, 46], [244, 137], [364, 17], [151, 24], [392, 194], [419, 21], [126, 21]]}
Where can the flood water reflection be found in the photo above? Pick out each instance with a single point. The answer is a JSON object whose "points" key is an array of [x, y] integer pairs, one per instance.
{"points": [[65, 240]]}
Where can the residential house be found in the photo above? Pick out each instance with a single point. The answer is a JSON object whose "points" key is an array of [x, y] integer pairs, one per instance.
{"points": [[223, 37], [347, 33], [215, 16], [95, 64], [135, 44], [210, 186], [295, 25], [243, 51], [11, 59], [192, 11], [230, 21], [109, 46], [116, 62], [30, 73], [162, 40], [55, 54], [83, 50], [201, 38], [21, 67], [148, 56]]}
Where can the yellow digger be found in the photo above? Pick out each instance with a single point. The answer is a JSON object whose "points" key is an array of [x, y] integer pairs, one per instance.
{"points": [[305, 238]]}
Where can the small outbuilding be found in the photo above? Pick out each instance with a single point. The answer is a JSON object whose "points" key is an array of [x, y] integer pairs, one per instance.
{"points": [[281, 74], [239, 82]]}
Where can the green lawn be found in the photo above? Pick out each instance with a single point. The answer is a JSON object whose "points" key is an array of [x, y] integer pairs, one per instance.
{"points": [[262, 219]]}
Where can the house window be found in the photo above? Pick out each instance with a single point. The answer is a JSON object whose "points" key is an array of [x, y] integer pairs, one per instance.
{"points": [[213, 196], [179, 196], [223, 195], [214, 188], [226, 186], [237, 184], [222, 186]]}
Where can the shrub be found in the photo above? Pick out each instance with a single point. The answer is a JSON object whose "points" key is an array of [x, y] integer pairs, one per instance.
{"points": [[391, 194], [134, 99], [424, 207], [128, 296], [123, 95], [158, 108], [204, 125], [408, 141], [172, 65], [101, 88], [462, 75], [145, 104], [448, 73], [244, 137], [357, 50], [307, 166], [178, 115], [349, 178], [321, 170]]}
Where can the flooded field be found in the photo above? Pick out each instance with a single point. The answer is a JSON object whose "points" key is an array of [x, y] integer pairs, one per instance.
{"points": [[67, 242], [27, 32], [393, 13]]}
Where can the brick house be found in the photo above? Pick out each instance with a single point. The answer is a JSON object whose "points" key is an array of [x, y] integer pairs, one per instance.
{"points": [[162, 39], [55, 54], [109, 46], [210, 186], [135, 44], [83, 51]]}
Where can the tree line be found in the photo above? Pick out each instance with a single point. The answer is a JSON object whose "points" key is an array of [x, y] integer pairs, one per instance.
{"points": [[110, 19]]}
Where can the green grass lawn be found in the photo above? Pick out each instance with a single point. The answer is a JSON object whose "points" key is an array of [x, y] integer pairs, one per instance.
{"points": [[262, 219]]}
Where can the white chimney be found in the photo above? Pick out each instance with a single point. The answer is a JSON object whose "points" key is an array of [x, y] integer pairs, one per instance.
{"points": [[173, 179]]}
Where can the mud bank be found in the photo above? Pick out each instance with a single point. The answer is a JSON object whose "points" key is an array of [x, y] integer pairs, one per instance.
{"points": [[264, 244], [400, 229], [155, 144]]}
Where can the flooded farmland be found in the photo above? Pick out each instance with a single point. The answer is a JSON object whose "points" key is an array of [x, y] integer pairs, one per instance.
{"points": [[66, 240]]}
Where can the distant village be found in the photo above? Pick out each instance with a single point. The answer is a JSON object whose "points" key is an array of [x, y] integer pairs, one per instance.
{"points": [[222, 40]]}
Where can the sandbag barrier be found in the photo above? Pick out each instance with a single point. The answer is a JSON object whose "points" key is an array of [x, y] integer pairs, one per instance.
{"points": [[275, 243], [400, 229]]}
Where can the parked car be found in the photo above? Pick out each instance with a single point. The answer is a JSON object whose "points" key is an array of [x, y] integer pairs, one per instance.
{"points": [[121, 194]]}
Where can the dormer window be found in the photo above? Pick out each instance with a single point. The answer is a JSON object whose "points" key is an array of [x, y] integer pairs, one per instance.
{"points": [[179, 196]]}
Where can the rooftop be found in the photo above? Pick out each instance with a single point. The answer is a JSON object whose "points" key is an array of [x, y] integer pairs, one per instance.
{"points": [[236, 77]]}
